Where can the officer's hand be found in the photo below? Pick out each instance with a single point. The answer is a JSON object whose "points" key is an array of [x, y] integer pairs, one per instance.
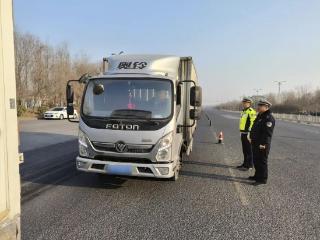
{"points": [[262, 146], [249, 139]]}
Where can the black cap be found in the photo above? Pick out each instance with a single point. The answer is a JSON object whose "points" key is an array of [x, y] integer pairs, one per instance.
{"points": [[264, 102]]}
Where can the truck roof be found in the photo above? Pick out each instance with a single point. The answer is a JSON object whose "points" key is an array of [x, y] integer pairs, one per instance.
{"points": [[165, 65]]}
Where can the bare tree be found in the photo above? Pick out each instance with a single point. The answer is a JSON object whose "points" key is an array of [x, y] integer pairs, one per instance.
{"points": [[24, 51], [301, 100], [42, 71]]}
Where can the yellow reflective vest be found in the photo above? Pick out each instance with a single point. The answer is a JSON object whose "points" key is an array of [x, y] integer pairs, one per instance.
{"points": [[246, 120]]}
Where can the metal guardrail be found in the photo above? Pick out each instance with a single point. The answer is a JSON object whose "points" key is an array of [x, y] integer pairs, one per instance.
{"points": [[298, 118]]}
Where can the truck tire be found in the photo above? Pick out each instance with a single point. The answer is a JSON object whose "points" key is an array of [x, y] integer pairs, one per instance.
{"points": [[183, 157], [175, 176]]}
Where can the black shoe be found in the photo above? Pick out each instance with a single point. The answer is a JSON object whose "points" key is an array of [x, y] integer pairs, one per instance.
{"points": [[253, 178], [246, 168], [257, 183]]}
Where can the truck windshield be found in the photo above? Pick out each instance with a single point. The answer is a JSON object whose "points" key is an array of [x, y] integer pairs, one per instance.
{"points": [[128, 98]]}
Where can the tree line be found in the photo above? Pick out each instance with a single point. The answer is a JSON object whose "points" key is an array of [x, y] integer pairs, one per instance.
{"points": [[302, 100], [42, 71]]}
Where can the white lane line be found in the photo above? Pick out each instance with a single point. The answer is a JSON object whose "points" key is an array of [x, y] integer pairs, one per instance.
{"points": [[242, 196], [243, 199]]}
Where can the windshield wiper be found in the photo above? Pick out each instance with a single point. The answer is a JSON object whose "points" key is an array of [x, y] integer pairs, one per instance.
{"points": [[131, 113]]}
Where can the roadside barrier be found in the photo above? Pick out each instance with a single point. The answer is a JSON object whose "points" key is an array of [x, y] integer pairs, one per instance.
{"points": [[299, 118], [309, 119]]}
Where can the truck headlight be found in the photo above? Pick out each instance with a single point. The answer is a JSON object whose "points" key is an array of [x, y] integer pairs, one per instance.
{"points": [[164, 150], [164, 155], [83, 144]]}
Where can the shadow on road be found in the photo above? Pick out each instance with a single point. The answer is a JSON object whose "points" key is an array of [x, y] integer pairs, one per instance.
{"points": [[92, 180], [217, 165], [69, 177], [215, 176], [35, 140], [53, 164]]}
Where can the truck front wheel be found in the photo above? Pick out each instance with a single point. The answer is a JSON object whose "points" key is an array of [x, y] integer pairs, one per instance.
{"points": [[175, 176]]}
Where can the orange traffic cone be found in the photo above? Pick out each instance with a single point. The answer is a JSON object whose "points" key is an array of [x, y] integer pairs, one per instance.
{"points": [[220, 138]]}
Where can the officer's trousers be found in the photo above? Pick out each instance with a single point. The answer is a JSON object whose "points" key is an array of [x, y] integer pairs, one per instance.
{"points": [[247, 151], [260, 160]]}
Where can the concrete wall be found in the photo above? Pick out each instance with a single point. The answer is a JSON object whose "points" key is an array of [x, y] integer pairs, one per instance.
{"points": [[9, 158]]}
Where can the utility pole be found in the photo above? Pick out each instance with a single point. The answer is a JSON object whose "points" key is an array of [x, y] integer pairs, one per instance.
{"points": [[279, 85], [257, 90]]}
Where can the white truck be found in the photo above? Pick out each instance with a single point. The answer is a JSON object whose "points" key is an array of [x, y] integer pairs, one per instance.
{"points": [[9, 156], [138, 118]]}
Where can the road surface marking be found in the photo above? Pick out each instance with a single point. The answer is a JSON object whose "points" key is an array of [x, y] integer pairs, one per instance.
{"points": [[242, 196], [243, 199]]}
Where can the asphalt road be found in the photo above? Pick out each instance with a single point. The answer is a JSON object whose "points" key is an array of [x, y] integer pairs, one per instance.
{"points": [[49, 147], [211, 200], [35, 134]]}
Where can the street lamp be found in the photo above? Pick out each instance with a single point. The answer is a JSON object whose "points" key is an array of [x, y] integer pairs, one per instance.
{"points": [[279, 85], [121, 52], [257, 90]]}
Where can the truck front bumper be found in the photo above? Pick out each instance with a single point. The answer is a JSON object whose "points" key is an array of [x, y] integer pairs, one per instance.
{"points": [[156, 170]]}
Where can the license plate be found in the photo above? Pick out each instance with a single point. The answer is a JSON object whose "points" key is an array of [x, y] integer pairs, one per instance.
{"points": [[119, 169]]}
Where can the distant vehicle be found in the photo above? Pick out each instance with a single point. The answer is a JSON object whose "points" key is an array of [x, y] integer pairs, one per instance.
{"points": [[58, 113], [139, 117]]}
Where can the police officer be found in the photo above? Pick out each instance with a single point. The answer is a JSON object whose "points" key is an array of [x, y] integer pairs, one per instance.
{"points": [[248, 115], [260, 138]]}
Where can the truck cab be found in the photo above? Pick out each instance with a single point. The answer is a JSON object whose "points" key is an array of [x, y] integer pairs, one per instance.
{"points": [[138, 118]]}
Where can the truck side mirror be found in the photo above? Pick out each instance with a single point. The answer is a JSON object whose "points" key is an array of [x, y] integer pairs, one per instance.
{"points": [[70, 96], [195, 114], [196, 96], [84, 78]]}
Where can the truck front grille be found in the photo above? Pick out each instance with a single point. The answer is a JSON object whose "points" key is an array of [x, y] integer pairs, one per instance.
{"points": [[110, 147], [122, 159]]}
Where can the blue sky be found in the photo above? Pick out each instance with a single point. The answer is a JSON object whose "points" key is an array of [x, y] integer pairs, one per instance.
{"points": [[237, 45]]}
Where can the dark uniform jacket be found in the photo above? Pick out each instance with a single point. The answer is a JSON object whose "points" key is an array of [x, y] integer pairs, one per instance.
{"points": [[262, 129]]}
